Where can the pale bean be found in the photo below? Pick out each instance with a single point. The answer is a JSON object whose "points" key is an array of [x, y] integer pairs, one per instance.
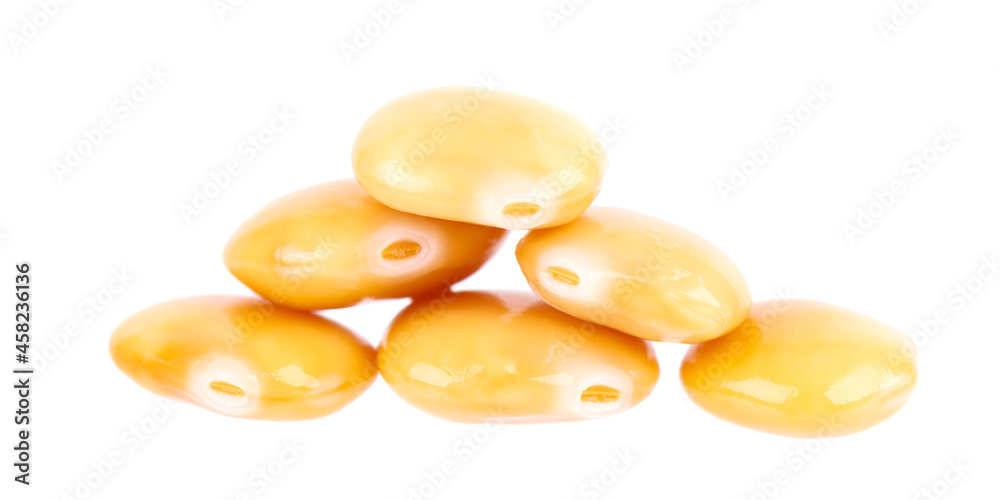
{"points": [[509, 357], [803, 369], [638, 274], [332, 246], [244, 357], [481, 156]]}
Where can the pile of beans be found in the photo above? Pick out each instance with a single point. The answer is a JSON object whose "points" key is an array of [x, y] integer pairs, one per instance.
{"points": [[441, 176]]}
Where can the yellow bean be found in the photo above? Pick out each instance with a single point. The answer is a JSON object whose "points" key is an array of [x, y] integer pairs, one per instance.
{"points": [[637, 274], [332, 246], [481, 156], [244, 357], [803, 369], [506, 356]]}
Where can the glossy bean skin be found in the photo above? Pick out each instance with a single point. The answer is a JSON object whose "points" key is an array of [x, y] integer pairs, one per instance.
{"points": [[638, 274], [332, 246], [803, 369], [508, 357], [244, 357], [482, 156]]}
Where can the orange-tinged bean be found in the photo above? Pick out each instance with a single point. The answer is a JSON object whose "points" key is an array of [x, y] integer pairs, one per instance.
{"points": [[332, 246], [244, 357], [803, 369], [637, 274], [507, 356], [481, 156]]}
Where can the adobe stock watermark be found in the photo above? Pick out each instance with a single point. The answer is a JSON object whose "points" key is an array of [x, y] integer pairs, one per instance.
{"points": [[794, 462], [599, 484], [121, 108], [33, 24], [559, 182], [612, 130], [129, 441], [248, 150], [245, 327], [747, 334], [400, 171], [418, 322], [785, 129], [941, 488], [223, 8], [911, 171], [712, 30], [366, 32], [462, 451], [900, 14], [956, 300], [264, 476], [561, 11], [87, 311], [623, 290]]}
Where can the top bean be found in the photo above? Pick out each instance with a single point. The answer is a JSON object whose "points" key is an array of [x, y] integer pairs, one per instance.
{"points": [[482, 156]]}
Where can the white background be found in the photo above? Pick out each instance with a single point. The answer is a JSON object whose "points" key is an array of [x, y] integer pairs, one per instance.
{"points": [[685, 129]]}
